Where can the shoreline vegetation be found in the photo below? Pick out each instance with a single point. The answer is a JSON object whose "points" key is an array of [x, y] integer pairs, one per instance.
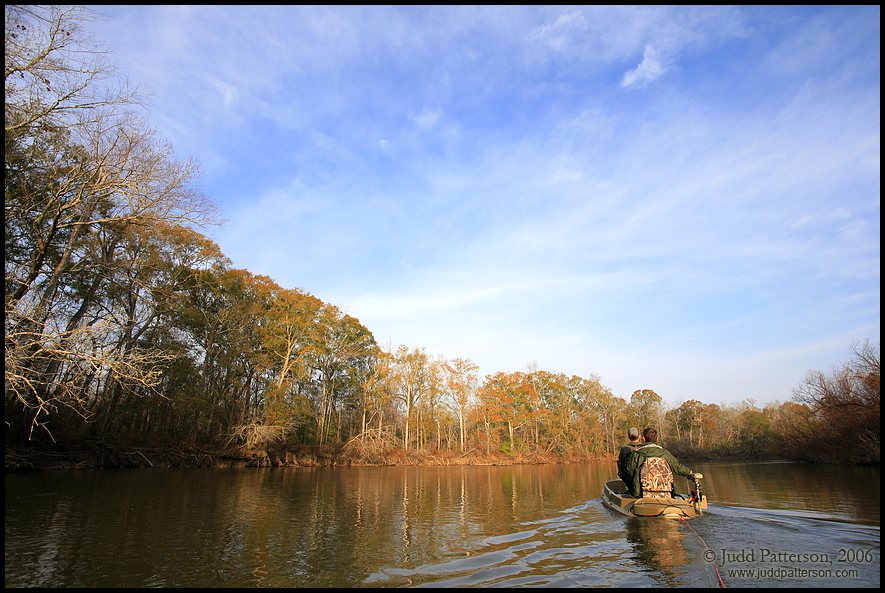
{"points": [[132, 341], [90, 455]]}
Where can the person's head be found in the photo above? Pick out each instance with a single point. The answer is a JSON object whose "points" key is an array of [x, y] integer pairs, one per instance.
{"points": [[650, 435], [633, 433]]}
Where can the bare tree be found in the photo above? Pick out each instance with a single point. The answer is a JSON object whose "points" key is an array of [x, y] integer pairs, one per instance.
{"points": [[80, 168], [54, 73], [846, 406]]}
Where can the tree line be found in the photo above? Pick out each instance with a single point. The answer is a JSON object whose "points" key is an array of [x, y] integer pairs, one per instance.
{"points": [[123, 321]]}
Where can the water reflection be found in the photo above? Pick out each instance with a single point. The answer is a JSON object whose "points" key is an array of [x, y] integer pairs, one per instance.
{"points": [[659, 546], [845, 492], [406, 526]]}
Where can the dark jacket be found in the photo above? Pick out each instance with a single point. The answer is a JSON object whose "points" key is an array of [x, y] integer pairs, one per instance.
{"points": [[652, 450], [626, 451]]}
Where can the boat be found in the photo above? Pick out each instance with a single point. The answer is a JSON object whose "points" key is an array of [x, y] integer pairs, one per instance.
{"points": [[616, 497]]}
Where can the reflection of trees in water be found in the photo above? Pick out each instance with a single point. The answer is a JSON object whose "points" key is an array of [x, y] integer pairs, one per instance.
{"points": [[660, 546], [851, 490]]}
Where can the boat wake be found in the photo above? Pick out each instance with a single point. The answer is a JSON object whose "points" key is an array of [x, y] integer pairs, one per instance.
{"points": [[590, 546], [779, 547]]}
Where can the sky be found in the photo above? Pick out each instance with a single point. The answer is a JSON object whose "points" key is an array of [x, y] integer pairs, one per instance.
{"points": [[683, 199]]}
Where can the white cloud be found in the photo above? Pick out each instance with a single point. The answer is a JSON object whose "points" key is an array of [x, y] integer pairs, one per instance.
{"points": [[427, 119], [651, 68], [561, 34], [227, 92]]}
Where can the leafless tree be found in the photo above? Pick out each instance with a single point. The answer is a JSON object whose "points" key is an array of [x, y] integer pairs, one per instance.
{"points": [[80, 169]]}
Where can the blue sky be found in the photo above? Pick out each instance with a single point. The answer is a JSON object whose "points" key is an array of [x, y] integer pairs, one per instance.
{"points": [[681, 199]]}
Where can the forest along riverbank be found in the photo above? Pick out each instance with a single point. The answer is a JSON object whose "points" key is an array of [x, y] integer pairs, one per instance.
{"points": [[95, 454]]}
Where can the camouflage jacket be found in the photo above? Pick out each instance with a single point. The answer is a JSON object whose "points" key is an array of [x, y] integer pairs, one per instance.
{"points": [[652, 450]]}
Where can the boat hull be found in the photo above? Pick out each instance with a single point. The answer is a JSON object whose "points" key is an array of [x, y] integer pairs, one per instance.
{"points": [[616, 497]]}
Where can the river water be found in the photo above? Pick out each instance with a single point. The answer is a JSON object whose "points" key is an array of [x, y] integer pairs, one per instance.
{"points": [[768, 524]]}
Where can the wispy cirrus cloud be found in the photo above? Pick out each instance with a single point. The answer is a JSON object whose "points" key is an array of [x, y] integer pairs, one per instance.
{"points": [[478, 181], [651, 68]]}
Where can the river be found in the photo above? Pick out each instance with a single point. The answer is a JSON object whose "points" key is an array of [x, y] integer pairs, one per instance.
{"points": [[768, 524]]}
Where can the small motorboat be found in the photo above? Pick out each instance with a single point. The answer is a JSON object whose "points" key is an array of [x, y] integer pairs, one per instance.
{"points": [[616, 497]]}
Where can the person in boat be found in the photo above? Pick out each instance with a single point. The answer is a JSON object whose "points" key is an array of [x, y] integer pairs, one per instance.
{"points": [[624, 455], [652, 468]]}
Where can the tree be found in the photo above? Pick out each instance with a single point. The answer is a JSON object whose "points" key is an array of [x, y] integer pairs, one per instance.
{"points": [[487, 412], [287, 332], [411, 375], [379, 394], [794, 428], [81, 173], [142, 278], [756, 432], [55, 79], [339, 348], [436, 389], [647, 408], [514, 400], [220, 310], [689, 419], [462, 379], [846, 408]]}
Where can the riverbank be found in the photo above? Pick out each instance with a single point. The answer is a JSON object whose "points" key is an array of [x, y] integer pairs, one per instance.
{"points": [[96, 454], [103, 455]]}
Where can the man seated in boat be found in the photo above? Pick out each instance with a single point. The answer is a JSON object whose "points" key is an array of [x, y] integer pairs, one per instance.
{"points": [[624, 456], [652, 468]]}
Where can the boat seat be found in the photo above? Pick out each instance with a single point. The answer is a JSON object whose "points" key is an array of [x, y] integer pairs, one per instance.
{"points": [[656, 478]]}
